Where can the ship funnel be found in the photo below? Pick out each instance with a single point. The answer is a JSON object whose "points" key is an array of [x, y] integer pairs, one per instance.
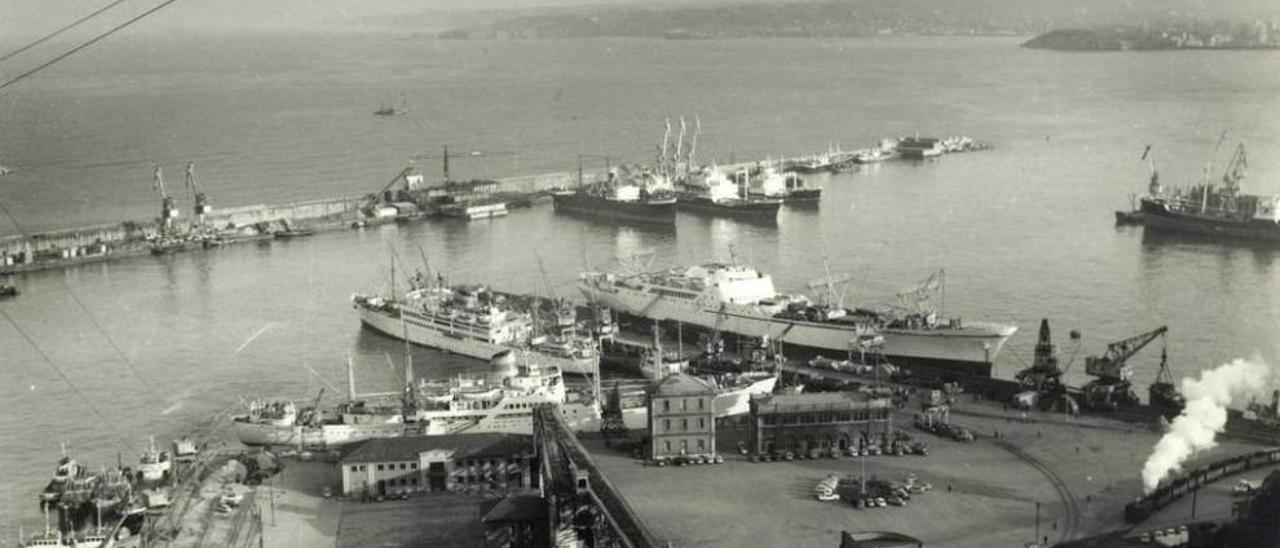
{"points": [[503, 364]]}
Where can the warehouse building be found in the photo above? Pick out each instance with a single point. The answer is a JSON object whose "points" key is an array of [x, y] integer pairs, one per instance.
{"points": [[386, 466], [803, 422]]}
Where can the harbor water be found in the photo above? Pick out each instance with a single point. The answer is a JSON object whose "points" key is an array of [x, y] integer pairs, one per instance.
{"points": [[154, 345]]}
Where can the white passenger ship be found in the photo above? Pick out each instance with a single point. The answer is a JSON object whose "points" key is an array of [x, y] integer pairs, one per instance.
{"points": [[473, 322], [740, 300], [501, 401]]}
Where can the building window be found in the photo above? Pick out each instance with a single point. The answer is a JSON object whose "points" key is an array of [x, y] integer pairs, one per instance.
{"points": [[666, 425], [700, 404], [684, 425], [702, 444], [684, 403], [413, 466], [379, 467], [666, 446], [413, 482], [666, 405], [702, 423], [684, 446]]}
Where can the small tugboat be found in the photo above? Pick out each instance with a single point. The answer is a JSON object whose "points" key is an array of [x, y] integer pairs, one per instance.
{"points": [[7, 291], [393, 109]]}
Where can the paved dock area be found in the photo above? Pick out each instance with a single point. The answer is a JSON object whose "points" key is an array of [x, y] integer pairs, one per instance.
{"points": [[1082, 471]]}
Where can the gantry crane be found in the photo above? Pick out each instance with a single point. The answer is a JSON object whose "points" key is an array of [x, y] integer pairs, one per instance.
{"points": [[1111, 388]]}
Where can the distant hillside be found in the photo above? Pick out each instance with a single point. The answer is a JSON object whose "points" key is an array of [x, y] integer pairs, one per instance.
{"points": [[847, 18], [1162, 36]]}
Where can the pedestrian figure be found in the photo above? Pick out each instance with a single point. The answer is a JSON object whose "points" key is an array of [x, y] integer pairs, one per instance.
{"points": [[948, 487]]}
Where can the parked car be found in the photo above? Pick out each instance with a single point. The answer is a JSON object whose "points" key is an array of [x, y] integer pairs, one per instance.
{"points": [[897, 501], [1243, 487], [881, 502], [828, 496]]}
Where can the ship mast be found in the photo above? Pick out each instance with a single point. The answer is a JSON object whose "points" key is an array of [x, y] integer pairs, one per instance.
{"points": [[679, 145], [666, 136], [693, 146]]}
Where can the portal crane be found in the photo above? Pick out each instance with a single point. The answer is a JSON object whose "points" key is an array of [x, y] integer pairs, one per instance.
{"points": [[198, 197], [1111, 387], [167, 210]]}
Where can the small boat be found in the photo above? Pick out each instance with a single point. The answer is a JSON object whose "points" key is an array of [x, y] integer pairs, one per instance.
{"points": [[1128, 218], [393, 109], [7, 291], [293, 233]]}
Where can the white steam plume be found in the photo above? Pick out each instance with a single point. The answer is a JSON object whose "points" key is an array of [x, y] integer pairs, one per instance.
{"points": [[1204, 416]]}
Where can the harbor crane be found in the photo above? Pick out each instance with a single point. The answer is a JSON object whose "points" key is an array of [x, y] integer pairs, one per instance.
{"points": [[1111, 387], [168, 212], [198, 197]]}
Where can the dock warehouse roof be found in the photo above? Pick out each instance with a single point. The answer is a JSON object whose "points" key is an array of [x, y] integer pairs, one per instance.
{"points": [[822, 401], [463, 446]]}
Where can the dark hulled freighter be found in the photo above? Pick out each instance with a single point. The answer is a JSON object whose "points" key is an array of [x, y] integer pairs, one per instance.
{"points": [[620, 199], [1208, 209]]}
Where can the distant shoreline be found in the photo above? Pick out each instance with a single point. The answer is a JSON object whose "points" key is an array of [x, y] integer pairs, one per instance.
{"points": [[1137, 39]]}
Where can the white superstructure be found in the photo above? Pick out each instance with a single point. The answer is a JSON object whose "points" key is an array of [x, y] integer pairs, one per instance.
{"points": [[502, 401], [471, 323], [738, 299]]}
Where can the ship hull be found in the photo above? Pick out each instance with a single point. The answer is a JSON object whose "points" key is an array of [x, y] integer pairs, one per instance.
{"points": [[968, 349], [650, 211], [761, 209], [1156, 215], [420, 333]]}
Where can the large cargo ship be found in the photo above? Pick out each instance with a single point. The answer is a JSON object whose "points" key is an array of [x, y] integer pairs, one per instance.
{"points": [[709, 190], [500, 401], [1208, 209], [629, 197], [475, 322], [740, 300]]}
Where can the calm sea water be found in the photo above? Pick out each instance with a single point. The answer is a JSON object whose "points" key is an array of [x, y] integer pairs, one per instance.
{"points": [[1025, 230]]}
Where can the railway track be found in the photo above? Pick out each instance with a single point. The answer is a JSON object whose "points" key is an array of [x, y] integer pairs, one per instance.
{"points": [[1070, 504]]}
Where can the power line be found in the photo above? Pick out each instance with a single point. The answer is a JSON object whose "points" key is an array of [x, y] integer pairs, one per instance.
{"points": [[84, 45], [62, 30], [133, 368], [65, 378]]}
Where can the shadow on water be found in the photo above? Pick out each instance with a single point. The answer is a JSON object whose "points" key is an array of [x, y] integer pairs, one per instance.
{"points": [[596, 222], [1156, 242]]}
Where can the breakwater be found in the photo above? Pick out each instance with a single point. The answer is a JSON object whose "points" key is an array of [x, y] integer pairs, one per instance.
{"points": [[73, 246]]}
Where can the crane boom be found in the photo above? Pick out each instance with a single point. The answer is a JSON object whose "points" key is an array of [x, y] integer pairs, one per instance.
{"points": [[1111, 365], [399, 176]]}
